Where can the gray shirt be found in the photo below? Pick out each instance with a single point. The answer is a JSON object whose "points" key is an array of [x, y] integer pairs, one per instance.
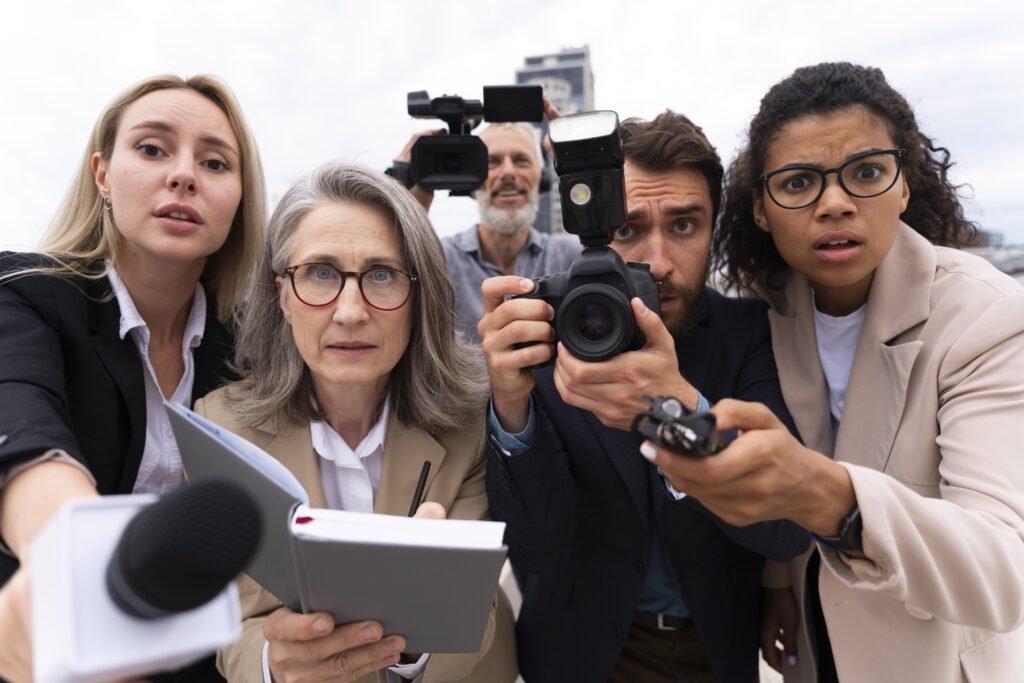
{"points": [[543, 255]]}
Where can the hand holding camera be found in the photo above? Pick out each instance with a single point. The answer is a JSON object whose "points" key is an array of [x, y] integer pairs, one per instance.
{"points": [[613, 390], [516, 336]]}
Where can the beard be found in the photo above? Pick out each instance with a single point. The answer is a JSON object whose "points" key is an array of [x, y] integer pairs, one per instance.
{"points": [[505, 221], [684, 316]]}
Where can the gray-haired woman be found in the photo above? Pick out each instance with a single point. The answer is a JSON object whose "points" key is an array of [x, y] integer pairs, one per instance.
{"points": [[352, 376]]}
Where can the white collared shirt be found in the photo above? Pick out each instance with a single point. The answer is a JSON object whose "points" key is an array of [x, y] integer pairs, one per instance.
{"points": [[351, 479], [160, 469]]}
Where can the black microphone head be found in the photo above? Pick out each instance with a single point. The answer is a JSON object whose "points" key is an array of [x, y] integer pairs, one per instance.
{"points": [[182, 550]]}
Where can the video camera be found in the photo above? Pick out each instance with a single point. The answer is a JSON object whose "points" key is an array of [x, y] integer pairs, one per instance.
{"points": [[458, 161], [593, 317]]}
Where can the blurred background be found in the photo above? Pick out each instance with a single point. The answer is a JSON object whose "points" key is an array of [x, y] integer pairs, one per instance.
{"points": [[324, 79]]}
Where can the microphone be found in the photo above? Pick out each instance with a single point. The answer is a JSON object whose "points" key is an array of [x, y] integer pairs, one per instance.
{"points": [[126, 586], [180, 552]]}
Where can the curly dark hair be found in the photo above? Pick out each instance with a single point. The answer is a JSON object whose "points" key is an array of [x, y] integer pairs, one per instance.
{"points": [[742, 252], [671, 142]]}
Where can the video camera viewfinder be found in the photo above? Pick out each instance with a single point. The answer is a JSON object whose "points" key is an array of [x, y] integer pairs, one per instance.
{"points": [[457, 162]]}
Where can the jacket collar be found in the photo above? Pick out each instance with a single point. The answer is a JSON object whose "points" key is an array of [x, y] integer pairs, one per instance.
{"points": [[899, 301], [406, 448]]}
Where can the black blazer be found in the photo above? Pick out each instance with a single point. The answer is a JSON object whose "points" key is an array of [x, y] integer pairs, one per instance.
{"points": [[68, 381], [578, 505]]}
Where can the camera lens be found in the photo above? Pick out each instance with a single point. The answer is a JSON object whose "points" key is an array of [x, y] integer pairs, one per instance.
{"points": [[593, 321]]}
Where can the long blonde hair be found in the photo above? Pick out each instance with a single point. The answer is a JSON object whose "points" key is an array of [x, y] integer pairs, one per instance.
{"points": [[82, 233]]}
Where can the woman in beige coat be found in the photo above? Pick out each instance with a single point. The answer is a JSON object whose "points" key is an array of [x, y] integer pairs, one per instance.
{"points": [[353, 376], [902, 362]]}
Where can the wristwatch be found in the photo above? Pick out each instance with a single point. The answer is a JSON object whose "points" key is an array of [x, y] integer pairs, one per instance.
{"points": [[402, 172], [851, 530]]}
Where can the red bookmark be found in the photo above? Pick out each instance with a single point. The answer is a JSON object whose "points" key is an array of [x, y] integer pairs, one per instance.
{"points": [[303, 520]]}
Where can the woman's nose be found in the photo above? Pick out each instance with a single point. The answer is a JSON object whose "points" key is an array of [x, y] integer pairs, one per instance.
{"points": [[350, 307], [182, 177]]}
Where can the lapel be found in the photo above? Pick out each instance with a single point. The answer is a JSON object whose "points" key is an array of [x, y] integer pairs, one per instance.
{"points": [[799, 366], [882, 363], [623, 449], [213, 355], [693, 350], [121, 359], [406, 448], [293, 447], [899, 301]]}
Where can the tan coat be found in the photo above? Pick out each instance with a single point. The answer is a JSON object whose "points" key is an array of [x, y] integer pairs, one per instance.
{"points": [[456, 481], [932, 435]]}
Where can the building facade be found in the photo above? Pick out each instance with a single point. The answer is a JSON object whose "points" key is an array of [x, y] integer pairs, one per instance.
{"points": [[568, 81]]}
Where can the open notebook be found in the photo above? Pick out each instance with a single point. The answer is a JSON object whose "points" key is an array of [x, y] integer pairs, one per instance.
{"points": [[431, 581]]}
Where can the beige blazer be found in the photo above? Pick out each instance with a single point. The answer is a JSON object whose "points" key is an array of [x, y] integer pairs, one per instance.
{"points": [[932, 435], [456, 481]]}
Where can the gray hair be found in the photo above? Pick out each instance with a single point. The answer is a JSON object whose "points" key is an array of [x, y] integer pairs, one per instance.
{"points": [[526, 127], [439, 379]]}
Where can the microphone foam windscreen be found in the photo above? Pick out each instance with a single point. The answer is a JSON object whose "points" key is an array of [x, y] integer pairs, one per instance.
{"points": [[181, 551]]}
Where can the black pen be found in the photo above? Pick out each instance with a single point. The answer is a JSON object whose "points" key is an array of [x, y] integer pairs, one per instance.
{"points": [[419, 488]]}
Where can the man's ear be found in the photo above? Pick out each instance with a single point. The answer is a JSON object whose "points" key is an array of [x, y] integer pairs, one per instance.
{"points": [[759, 216]]}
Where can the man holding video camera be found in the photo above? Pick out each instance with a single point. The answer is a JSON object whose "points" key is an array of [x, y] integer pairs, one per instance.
{"points": [[626, 579], [504, 242]]}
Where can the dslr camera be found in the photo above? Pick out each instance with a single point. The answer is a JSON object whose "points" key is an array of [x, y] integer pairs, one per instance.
{"points": [[593, 317], [457, 162]]}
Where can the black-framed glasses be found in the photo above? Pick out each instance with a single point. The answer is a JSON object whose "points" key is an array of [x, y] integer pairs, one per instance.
{"points": [[320, 284], [863, 175]]}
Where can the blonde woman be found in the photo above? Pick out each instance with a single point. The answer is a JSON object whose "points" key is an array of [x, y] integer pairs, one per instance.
{"points": [[127, 303]]}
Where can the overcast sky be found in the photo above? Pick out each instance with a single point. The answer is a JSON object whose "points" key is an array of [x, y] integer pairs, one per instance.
{"points": [[321, 80]]}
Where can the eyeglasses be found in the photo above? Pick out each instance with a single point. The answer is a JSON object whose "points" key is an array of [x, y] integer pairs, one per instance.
{"points": [[320, 284], [864, 175]]}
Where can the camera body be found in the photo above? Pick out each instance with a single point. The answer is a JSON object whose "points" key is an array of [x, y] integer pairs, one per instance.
{"points": [[457, 162], [593, 317]]}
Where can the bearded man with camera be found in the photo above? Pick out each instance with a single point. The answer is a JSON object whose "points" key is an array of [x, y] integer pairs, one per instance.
{"points": [[625, 578], [506, 188]]}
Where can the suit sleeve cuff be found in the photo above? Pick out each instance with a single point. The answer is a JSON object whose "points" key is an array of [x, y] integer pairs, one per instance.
{"points": [[413, 671], [511, 444], [56, 455], [702, 407]]}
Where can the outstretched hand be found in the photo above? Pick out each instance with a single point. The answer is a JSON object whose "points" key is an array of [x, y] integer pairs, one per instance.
{"points": [[765, 474]]}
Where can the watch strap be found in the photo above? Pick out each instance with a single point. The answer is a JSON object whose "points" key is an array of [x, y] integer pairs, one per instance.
{"points": [[851, 532]]}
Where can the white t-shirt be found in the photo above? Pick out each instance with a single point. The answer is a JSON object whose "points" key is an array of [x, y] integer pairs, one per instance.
{"points": [[837, 342]]}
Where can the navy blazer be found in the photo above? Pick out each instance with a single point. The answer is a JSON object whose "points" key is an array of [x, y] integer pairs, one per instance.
{"points": [[578, 506], [68, 381]]}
